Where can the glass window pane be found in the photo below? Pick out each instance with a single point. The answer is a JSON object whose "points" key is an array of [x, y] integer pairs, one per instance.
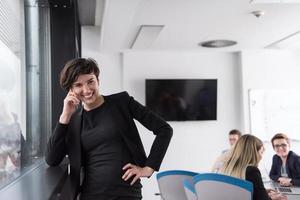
{"points": [[24, 86], [10, 91]]}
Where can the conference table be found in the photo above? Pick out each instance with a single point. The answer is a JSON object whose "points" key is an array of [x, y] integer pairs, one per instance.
{"points": [[293, 197], [273, 185]]}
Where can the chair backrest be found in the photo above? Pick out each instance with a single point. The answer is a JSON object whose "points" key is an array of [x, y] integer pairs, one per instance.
{"points": [[189, 189], [214, 186], [170, 183]]}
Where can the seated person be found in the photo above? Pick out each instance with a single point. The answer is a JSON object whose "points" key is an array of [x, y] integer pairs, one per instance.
{"points": [[233, 137], [242, 163], [286, 164]]}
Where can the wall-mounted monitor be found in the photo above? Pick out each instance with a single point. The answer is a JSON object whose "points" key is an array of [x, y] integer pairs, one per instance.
{"points": [[182, 99]]}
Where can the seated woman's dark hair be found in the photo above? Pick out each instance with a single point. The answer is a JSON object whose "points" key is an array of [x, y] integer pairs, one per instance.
{"points": [[76, 67]]}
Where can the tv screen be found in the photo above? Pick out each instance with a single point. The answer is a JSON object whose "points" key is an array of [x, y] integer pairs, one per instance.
{"points": [[182, 99]]}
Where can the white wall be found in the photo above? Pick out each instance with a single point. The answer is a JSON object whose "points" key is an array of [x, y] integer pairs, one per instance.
{"points": [[195, 144], [268, 69]]}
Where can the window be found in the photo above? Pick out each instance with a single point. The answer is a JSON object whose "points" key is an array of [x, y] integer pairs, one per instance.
{"points": [[24, 86]]}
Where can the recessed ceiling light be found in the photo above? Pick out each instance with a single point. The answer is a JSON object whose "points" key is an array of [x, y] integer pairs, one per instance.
{"points": [[258, 13], [217, 43]]}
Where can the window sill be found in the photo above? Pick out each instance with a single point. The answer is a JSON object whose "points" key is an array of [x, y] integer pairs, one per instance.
{"points": [[41, 183]]}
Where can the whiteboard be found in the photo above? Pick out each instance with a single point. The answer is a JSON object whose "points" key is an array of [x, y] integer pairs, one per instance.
{"points": [[274, 111]]}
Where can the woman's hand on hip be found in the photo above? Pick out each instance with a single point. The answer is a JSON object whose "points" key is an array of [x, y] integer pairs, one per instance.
{"points": [[70, 105], [136, 172]]}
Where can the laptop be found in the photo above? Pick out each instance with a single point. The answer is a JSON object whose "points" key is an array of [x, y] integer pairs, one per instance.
{"points": [[268, 183], [288, 190]]}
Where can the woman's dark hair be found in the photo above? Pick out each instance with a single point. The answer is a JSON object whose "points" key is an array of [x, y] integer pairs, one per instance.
{"points": [[76, 67]]}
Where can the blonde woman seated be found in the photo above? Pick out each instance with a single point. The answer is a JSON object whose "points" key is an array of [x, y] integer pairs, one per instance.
{"points": [[243, 162]]}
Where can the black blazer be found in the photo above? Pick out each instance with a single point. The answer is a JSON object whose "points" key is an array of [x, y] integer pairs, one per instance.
{"points": [[259, 192], [292, 165], [65, 139]]}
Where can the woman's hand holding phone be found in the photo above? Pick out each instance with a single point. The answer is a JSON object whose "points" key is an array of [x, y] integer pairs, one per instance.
{"points": [[71, 103]]}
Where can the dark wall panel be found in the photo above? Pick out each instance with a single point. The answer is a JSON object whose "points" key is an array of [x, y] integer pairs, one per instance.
{"points": [[65, 29]]}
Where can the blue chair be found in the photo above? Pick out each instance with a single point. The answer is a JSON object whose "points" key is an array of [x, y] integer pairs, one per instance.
{"points": [[170, 183], [214, 186], [189, 189]]}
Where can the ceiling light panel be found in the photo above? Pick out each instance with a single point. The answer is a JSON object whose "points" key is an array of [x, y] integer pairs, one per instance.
{"points": [[146, 36]]}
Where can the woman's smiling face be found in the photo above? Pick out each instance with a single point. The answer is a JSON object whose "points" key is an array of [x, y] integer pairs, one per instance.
{"points": [[86, 89]]}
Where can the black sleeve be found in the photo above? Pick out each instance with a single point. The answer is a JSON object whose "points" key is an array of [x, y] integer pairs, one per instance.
{"points": [[158, 126], [296, 174], [56, 147], [259, 192], [274, 175]]}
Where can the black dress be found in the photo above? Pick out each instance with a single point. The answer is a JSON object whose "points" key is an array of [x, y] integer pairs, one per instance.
{"points": [[104, 155]]}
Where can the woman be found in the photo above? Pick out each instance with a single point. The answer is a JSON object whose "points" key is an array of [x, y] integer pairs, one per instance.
{"points": [[242, 163], [286, 164], [101, 139]]}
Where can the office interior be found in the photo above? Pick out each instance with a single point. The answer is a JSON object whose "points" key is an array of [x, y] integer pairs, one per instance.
{"points": [[135, 40]]}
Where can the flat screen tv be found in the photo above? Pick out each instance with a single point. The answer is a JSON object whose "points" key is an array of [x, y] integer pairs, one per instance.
{"points": [[182, 99]]}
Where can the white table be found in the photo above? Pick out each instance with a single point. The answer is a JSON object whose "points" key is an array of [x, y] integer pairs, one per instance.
{"points": [[271, 184], [293, 197]]}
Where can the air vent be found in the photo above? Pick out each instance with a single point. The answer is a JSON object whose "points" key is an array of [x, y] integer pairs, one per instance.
{"points": [[217, 43]]}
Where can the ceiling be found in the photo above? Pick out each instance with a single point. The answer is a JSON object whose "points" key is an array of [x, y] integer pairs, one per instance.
{"points": [[182, 24]]}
